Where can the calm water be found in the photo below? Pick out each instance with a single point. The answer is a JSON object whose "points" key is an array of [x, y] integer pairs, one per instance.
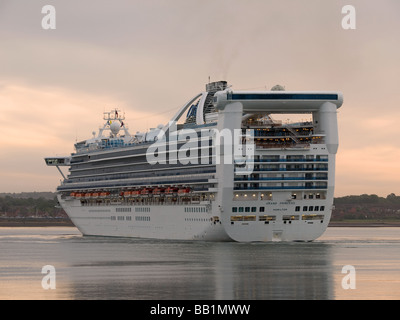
{"points": [[111, 268]]}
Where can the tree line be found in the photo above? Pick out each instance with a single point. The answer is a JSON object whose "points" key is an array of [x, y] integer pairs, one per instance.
{"points": [[367, 207], [348, 207], [390, 200], [13, 206]]}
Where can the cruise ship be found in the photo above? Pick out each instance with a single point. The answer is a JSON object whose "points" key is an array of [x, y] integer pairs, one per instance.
{"points": [[230, 166]]}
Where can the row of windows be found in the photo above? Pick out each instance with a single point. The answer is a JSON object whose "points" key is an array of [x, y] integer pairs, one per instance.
{"points": [[129, 218], [262, 209], [273, 217], [240, 196], [197, 219], [136, 172], [311, 208], [120, 218], [142, 218], [283, 96], [310, 196], [170, 179], [283, 158], [247, 209], [195, 209], [123, 209], [142, 209]]}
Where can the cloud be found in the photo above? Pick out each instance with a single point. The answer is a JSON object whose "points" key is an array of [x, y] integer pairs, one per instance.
{"points": [[149, 57]]}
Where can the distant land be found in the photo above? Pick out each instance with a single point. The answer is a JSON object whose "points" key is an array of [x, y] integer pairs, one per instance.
{"points": [[366, 210], [31, 209], [42, 209], [26, 195]]}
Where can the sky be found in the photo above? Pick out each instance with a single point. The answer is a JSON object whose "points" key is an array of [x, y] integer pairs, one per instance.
{"points": [[148, 57]]}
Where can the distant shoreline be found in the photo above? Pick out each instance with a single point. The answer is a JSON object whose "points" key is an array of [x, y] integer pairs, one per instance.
{"points": [[36, 222], [66, 222], [372, 223]]}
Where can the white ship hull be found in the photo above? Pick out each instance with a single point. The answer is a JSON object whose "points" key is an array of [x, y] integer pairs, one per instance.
{"points": [[153, 222], [196, 222]]}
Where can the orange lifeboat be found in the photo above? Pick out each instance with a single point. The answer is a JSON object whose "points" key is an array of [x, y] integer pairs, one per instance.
{"points": [[104, 194], [184, 191], [79, 195], [127, 193], [72, 194], [88, 195], [145, 192], [95, 195], [158, 192], [170, 191], [135, 193]]}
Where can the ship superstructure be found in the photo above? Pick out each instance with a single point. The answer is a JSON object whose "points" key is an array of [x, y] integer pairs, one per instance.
{"points": [[224, 168]]}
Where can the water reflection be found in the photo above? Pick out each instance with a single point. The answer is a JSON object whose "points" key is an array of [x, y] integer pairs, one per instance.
{"points": [[274, 271], [115, 268], [209, 271]]}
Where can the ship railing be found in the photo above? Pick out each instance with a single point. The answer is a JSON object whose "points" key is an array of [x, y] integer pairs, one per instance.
{"points": [[281, 145], [243, 179], [284, 160], [288, 134], [281, 188], [282, 169], [198, 197]]}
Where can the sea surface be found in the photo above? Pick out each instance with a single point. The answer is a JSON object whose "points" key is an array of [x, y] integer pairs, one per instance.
{"points": [[122, 268]]}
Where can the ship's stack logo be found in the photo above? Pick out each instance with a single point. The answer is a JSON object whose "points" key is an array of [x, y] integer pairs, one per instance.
{"points": [[206, 146]]}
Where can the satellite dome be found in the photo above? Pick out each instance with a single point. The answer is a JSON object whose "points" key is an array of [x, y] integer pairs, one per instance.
{"points": [[278, 87], [114, 127]]}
